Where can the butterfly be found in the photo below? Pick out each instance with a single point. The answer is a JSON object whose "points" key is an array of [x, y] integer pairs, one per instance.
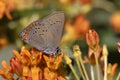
{"points": [[45, 34]]}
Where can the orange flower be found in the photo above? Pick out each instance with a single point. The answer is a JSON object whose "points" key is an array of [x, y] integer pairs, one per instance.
{"points": [[52, 62], [27, 74], [31, 57], [50, 72], [32, 65], [115, 21], [6, 73], [2, 9], [52, 75], [5, 7], [16, 66], [49, 75], [36, 73], [92, 39], [81, 25]]}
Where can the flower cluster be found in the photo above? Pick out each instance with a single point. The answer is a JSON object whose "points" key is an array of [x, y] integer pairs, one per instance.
{"points": [[95, 59], [32, 65], [5, 7]]}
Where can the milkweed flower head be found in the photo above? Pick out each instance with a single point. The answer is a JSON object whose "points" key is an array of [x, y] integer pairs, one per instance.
{"points": [[32, 65]]}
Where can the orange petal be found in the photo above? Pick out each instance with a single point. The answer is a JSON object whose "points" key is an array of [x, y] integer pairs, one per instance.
{"points": [[2, 73], [49, 74], [114, 67], [25, 52], [17, 54], [5, 66], [26, 56], [7, 12], [52, 62], [60, 78], [35, 73], [26, 71], [58, 61], [2, 9]]}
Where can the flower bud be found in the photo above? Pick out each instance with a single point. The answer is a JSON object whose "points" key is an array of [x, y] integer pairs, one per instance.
{"points": [[92, 39], [76, 51], [105, 51]]}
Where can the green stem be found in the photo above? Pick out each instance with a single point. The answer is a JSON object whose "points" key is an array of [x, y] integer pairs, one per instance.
{"points": [[105, 70], [97, 66], [92, 73], [80, 69], [118, 77], [74, 73], [83, 67]]}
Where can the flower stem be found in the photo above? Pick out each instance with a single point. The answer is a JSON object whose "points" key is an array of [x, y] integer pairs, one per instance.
{"points": [[118, 77], [83, 67], [97, 65], [80, 69], [68, 61], [77, 53], [92, 73], [71, 67], [105, 70]]}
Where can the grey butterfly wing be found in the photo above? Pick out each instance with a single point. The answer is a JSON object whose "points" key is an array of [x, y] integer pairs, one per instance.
{"points": [[33, 34], [55, 24], [45, 35]]}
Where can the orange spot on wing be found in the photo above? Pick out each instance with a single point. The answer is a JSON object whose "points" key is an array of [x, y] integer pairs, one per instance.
{"points": [[26, 33]]}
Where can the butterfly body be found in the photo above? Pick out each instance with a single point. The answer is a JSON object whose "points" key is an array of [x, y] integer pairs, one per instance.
{"points": [[45, 34]]}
